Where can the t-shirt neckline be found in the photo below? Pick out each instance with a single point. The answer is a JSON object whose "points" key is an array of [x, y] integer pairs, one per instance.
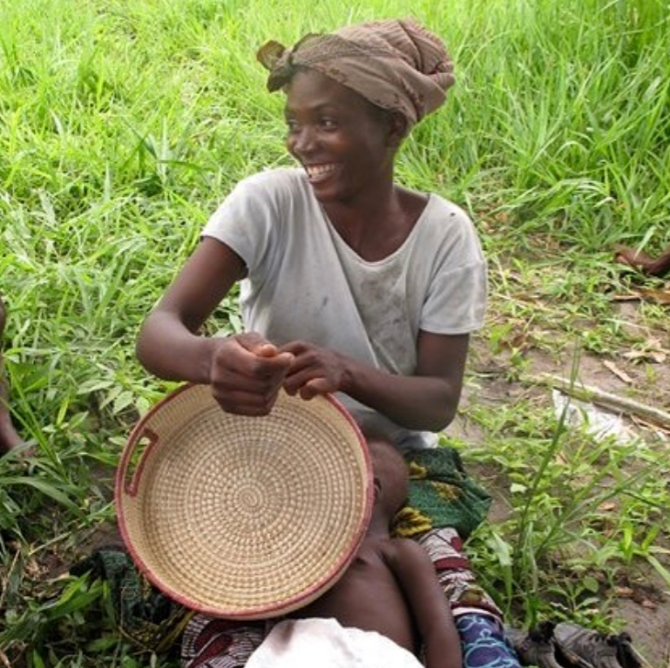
{"points": [[391, 256]]}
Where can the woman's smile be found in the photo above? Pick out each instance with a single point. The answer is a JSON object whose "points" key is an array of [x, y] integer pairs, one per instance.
{"points": [[340, 139], [320, 173]]}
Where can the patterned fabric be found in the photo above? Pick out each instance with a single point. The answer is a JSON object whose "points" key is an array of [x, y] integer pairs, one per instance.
{"points": [[441, 494], [143, 614], [217, 643], [445, 548], [484, 643], [482, 639], [396, 65]]}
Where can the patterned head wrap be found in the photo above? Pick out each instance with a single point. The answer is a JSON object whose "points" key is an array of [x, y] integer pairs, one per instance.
{"points": [[396, 65]]}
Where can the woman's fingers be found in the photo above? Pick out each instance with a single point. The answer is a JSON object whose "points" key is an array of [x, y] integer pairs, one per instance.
{"points": [[247, 374], [314, 370]]}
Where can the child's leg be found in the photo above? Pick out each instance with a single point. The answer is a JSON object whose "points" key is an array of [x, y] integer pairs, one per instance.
{"points": [[484, 643], [478, 618], [8, 436]]}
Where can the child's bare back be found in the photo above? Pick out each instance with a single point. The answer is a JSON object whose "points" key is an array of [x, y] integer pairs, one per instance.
{"points": [[391, 586], [369, 596]]}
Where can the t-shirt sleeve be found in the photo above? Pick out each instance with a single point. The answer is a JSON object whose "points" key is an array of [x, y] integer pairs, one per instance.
{"points": [[456, 299], [248, 220]]}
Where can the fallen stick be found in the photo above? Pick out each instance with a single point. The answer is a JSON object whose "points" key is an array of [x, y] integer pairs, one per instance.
{"points": [[605, 399]]}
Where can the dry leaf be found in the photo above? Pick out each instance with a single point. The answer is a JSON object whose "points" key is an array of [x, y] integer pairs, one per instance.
{"points": [[609, 505], [629, 297], [656, 356], [658, 296], [624, 592], [640, 422], [33, 569], [621, 375], [650, 605]]}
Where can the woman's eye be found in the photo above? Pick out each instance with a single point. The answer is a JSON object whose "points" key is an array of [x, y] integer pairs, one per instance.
{"points": [[328, 123]]}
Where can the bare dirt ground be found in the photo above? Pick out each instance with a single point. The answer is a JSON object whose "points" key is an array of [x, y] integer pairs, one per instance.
{"points": [[642, 606]]}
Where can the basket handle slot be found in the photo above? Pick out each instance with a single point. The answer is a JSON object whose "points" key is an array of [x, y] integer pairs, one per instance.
{"points": [[140, 448]]}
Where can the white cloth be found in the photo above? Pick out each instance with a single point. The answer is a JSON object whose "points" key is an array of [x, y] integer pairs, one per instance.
{"points": [[305, 643], [305, 283]]}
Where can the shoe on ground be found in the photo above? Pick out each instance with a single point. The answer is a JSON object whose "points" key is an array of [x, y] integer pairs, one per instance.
{"points": [[536, 647], [583, 648], [626, 653]]}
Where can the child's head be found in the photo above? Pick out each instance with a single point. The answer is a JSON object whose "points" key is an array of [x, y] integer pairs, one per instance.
{"points": [[390, 473]]}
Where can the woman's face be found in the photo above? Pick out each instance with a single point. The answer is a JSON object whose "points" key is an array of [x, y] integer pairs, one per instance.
{"points": [[345, 144]]}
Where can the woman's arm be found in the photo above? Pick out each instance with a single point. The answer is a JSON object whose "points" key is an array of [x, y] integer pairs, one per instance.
{"points": [[245, 371], [426, 400], [168, 344]]}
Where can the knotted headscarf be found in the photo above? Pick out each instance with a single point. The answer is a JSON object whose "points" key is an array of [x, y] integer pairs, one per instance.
{"points": [[394, 64]]}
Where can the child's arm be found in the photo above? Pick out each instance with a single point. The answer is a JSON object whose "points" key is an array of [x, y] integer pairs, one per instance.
{"points": [[429, 607]]}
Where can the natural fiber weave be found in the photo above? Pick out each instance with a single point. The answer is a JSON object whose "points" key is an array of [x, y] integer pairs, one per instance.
{"points": [[244, 517]]}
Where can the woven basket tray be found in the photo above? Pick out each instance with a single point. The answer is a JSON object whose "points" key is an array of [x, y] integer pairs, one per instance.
{"points": [[244, 517]]}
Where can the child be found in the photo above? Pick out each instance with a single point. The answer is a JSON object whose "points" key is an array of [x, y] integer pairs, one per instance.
{"points": [[390, 589]]}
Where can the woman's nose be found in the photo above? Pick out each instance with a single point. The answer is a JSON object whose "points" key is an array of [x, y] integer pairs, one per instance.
{"points": [[304, 140]]}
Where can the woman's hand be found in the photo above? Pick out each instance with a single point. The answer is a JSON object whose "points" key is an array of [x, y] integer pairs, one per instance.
{"points": [[314, 370], [247, 372], [426, 400]]}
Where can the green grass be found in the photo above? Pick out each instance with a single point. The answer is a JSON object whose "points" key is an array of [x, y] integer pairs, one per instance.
{"points": [[122, 125], [581, 510]]}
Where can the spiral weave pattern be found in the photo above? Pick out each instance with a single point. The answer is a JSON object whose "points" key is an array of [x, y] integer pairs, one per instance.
{"points": [[244, 517]]}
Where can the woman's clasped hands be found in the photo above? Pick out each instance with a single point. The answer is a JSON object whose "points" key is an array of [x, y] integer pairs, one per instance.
{"points": [[247, 372]]}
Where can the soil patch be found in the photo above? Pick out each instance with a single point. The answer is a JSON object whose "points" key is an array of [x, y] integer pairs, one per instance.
{"points": [[641, 605]]}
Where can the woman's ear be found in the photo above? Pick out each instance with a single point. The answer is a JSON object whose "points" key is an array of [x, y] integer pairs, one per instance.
{"points": [[398, 128]]}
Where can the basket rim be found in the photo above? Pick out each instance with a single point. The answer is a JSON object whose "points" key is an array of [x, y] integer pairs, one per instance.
{"points": [[336, 566]]}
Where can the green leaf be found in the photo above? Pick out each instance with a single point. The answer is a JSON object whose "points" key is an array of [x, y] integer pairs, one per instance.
{"points": [[591, 584], [48, 489]]}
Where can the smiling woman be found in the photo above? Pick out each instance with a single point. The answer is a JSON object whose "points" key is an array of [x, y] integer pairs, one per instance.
{"points": [[350, 283], [344, 143]]}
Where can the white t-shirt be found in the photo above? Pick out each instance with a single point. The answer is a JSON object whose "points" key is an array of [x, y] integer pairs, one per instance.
{"points": [[305, 283]]}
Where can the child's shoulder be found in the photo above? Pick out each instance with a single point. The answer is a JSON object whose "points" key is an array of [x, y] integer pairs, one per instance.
{"points": [[401, 542], [401, 547]]}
